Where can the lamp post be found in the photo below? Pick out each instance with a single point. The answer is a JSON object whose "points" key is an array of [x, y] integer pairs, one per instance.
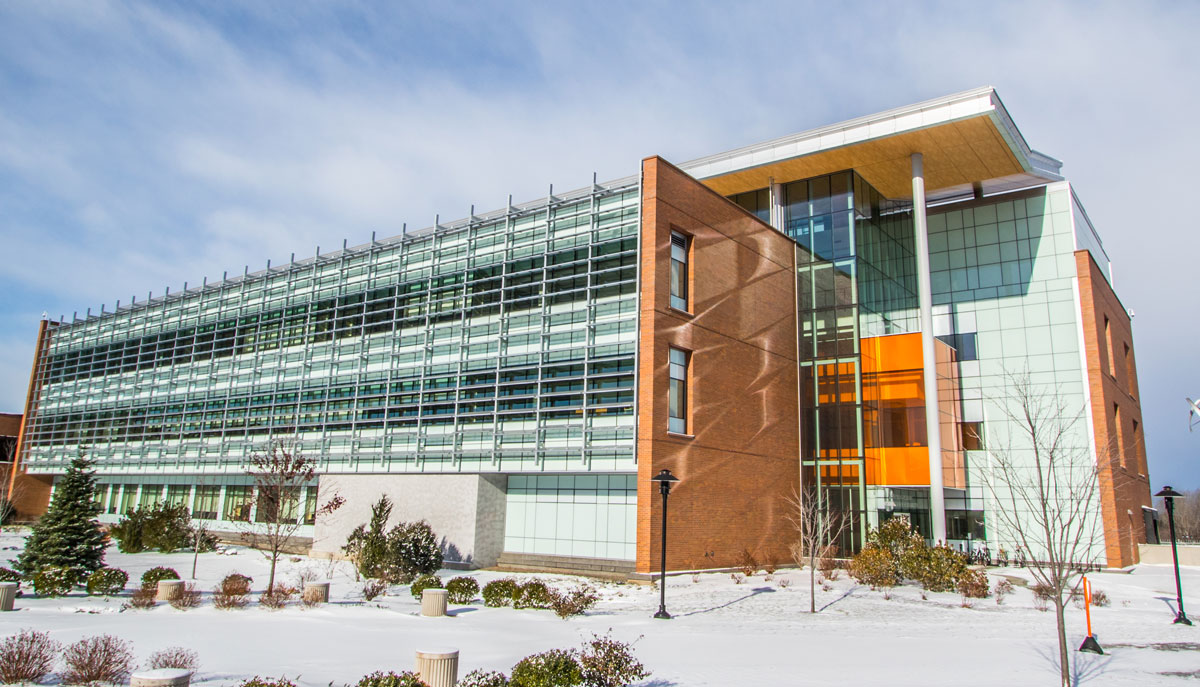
{"points": [[1168, 496], [665, 479]]}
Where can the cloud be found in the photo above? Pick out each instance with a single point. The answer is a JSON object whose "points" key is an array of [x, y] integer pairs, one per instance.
{"points": [[148, 144]]}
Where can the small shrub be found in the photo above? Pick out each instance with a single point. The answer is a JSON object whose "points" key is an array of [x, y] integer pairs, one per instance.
{"points": [[143, 598], [747, 563], [389, 679], [96, 660], [233, 592], [874, 567], [737, 578], [1042, 595], [462, 590], [1002, 589], [827, 562], [27, 656], [107, 582], [937, 568], [608, 662], [373, 588], [54, 580], [174, 657], [484, 678], [278, 597], [151, 577], [424, 582], [1099, 598], [825, 587], [783, 582], [533, 594], [573, 602], [9, 575], [554, 668], [770, 564], [500, 592], [257, 681], [972, 584], [189, 597]]}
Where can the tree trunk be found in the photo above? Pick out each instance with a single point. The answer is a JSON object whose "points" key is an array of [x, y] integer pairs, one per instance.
{"points": [[1063, 652], [271, 580], [812, 586]]}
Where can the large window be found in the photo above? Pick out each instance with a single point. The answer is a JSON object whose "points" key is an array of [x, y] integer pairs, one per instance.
{"points": [[207, 499], [677, 392], [679, 271], [237, 503]]}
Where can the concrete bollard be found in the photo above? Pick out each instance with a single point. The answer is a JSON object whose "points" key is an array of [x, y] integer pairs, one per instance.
{"points": [[316, 592], [438, 667], [433, 603], [8, 595], [169, 590], [161, 677]]}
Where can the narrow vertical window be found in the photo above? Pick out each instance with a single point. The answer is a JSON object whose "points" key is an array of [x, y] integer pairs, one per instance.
{"points": [[679, 271], [677, 392]]}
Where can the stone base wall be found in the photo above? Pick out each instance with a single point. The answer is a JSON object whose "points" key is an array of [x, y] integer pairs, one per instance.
{"points": [[466, 512]]}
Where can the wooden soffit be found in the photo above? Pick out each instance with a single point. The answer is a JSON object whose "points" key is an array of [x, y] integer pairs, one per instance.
{"points": [[964, 151]]}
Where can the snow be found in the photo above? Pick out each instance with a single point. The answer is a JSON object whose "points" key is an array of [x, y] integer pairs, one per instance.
{"points": [[754, 633]]}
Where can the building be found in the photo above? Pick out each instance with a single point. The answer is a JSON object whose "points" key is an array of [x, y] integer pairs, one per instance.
{"points": [[835, 309]]}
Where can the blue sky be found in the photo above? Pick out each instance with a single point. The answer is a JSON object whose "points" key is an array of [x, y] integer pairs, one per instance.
{"points": [[144, 145]]}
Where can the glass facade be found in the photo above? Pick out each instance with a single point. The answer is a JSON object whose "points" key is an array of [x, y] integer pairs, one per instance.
{"points": [[856, 278], [503, 344]]}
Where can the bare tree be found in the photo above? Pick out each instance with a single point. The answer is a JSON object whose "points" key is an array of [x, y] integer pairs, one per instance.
{"points": [[1044, 482], [817, 526], [280, 471], [1187, 516], [8, 499]]}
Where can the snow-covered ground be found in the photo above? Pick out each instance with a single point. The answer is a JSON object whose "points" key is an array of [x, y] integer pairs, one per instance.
{"points": [[755, 633]]}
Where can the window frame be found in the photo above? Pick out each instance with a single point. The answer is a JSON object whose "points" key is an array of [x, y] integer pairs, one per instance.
{"points": [[679, 391], [681, 246]]}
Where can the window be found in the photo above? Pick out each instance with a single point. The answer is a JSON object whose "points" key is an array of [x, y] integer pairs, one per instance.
{"points": [[207, 498], [237, 503], [964, 344], [679, 271], [972, 435], [677, 391], [1120, 435]]}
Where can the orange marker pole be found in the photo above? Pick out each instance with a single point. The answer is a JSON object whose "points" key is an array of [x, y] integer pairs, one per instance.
{"points": [[1090, 644], [1087, 604]]}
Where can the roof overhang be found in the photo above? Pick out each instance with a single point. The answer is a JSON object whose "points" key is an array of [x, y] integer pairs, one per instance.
{"points": [[966, 139]]}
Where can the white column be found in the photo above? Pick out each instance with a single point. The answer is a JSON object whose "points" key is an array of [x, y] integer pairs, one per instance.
{"points": [[933, 431], [775, 194]]}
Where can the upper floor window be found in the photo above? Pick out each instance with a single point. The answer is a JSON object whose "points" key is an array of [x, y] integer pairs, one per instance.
{"points": [[963, 344], [677, 391], [679, 271]]}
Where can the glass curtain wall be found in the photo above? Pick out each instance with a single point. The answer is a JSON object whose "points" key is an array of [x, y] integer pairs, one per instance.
{"points": [[501, 343], [856, 278]]}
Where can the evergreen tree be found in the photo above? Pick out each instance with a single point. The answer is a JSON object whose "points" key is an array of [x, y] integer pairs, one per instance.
{"points": [[68, 534]]}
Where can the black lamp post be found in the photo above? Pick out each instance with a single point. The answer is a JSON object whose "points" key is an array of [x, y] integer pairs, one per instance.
{"points": [[1168, 496], [665, 479]]}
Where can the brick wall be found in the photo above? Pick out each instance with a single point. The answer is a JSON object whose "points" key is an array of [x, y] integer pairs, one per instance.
{"points": [[1116, 413], [740, 459]]}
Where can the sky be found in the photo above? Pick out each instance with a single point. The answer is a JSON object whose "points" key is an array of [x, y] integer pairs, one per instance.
{"points": [[143, 145]]}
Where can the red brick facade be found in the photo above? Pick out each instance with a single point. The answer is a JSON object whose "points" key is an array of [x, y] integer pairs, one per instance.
{"points": [[1116, 413], [740, 457]]}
